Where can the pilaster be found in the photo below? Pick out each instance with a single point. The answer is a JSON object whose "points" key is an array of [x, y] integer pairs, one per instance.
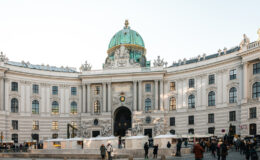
{"points": [[104, 97], [109, 96], [156, 106], [135, 96], [140, 95], [161, 95], [88, 99]]}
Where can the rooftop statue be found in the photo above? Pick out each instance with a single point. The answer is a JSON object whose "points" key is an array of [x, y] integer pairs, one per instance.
{"points": [[245, 41], [3, 58], [160, 62], [86, 66]]}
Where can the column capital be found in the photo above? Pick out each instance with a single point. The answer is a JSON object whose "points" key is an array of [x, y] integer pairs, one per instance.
{"points": [[108, 83], [104, 83], [139, 81], [88, 83], [156, 80], [134, 81]]}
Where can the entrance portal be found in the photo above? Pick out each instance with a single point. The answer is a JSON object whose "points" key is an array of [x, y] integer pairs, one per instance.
{"points": [[122, 121]]}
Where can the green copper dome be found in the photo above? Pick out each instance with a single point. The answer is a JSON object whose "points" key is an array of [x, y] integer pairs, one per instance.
{"points": [[126, 36]]}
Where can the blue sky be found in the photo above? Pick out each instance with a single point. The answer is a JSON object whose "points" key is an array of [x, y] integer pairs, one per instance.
{"points": [[68, 32]]}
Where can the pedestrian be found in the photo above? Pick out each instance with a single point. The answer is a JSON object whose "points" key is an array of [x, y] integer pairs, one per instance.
{"points": [[155, 151], [169, 145], [103, 151], [146, 149], [109, 151], [198, 151], [223, 150], [242, 147], [253, 153], [218, 148], [247, 150], [213, 148], [185, 143], [178, 153]]}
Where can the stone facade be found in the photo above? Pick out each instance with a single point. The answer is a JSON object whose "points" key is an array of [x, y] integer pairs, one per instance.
{"points": [[98, 94]]}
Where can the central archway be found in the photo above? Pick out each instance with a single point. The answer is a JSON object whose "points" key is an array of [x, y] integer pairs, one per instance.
{"points": [[122, 121]]}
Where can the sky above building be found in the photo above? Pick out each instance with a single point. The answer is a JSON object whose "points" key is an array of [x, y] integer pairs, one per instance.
{"points": [[69, 32]]}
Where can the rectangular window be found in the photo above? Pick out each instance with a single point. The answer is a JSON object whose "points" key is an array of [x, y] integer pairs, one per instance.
{"points": [[172, 121], [55, 125], [97, 90], [252, 112], [191, 120], [14, 86], [232, 116], [256, 68], [191, 83], [172, 86], [233, 74], [211, 118], [74, 91], [54, 90], [212, 79], [147, 87], [15, 138], [14, 124], [35, 89], [35, 125], [211, 130]]}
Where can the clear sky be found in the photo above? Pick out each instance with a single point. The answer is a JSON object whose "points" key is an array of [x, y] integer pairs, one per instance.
{"points": [[68, 32]]}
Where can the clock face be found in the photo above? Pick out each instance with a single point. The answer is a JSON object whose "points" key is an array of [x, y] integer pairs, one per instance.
{"points": [[122, 98]]}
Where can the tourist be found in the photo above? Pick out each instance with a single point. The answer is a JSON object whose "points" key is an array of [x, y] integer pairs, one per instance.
{"points": [[109, 151], [223, 150], [146, 149], [218, 148], [185, 143], [155, 151], [169, 145], [119, 142], [242, 147], [247, 150], [198, 151], [213, 148], [103, 151], [253, 153]]}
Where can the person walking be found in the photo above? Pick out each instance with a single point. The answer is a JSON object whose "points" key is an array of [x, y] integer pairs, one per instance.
{"points": [[223, 150], [146, 149], [213, 148], [155, 151], [169, 145], [247, 151], [109, 151], [178, 153], [218, 148], [253, 153], [198, 151], [103, 151]]}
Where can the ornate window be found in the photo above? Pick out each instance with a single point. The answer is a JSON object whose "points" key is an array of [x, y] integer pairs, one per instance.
{"points": [[74, 91], [14, 105], [233, 74], [35, 107], [14, 86], [55, 90], [147, 87], [73, 107], [35, 89], [148, 104], [55, 107], [211, 118], [15, 138], [252, 112], [191, 101], [191, 131], [97, 107], [256, 90], [97, 90], [233, 95], [172, 86], [211, 98], [211, 79], [252, 129], [191, 83], [256, 68], [232, 116], [55, 125], [172, 104]]}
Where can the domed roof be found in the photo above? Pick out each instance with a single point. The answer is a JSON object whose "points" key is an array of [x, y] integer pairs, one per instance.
{"points": [[126, 36]]}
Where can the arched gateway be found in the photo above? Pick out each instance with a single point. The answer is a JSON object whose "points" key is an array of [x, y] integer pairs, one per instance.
{"points": [[122, 121]]}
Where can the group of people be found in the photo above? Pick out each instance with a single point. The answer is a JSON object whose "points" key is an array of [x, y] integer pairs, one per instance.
{"points": [[247, 148], [23, 147], [106, 151], [146, 150]]}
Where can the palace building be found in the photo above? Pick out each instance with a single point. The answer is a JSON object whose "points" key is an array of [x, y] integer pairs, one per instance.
{"points": [[217, 94]]}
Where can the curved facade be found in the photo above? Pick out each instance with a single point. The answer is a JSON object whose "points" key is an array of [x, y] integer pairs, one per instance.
{"points": [[207, 94]]}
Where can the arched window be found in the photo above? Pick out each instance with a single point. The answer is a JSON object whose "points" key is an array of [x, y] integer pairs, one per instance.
{"points": [[233, 95], [55, 107], [191, 131], [73, 107], [256, 89], [97, 107], [172, 104], [211, 98], [35, 107], [14, 105], [191, 101], [252, 129], [148, 104]]}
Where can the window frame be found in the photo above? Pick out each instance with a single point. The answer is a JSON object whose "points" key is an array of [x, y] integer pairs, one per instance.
{"points": [[35, 107], [35, 89], [55, 90], [15, 124], [256, 68], [211, 79], [256, 90], [14, 86], [148, 87], [73, 91], [97, 107], [232, 74], [192, 83], [55, 108], [172, 106], [172, 121], [55, 125], [36, 125], [191, 120], [211, 118], [73, 108], [148, 105], [172, 86], [252, 113], [212, 98], [14, 105], [232, 116], [233, 95], [191, 101]]}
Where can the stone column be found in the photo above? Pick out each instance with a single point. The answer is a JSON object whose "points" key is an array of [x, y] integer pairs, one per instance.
{"points": [[184, 94], [109, 96], [84, 106], [88, 99], [179, 94], [135, 98], [245, 81], [139, 95], [104, 97], [1, 93], [156, 106], [7, 90], [161, 95]]}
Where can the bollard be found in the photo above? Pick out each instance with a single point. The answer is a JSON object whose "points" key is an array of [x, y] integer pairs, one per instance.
{"points": [[163, 157], [130, 157]]}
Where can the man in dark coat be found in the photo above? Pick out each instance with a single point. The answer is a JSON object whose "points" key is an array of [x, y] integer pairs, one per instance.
{"points": [[155, 151], [146, 149], [103, 151], [178, 153], [223, 150], [198, 151]]}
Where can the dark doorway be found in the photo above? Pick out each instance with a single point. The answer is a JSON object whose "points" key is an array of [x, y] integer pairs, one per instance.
{"points": [[148, 132], [122, 121], [35, 137], [252, 129], [95, 133]]}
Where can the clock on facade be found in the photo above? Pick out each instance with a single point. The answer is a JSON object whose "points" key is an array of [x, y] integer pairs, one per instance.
{"points": [[122, 98]]}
